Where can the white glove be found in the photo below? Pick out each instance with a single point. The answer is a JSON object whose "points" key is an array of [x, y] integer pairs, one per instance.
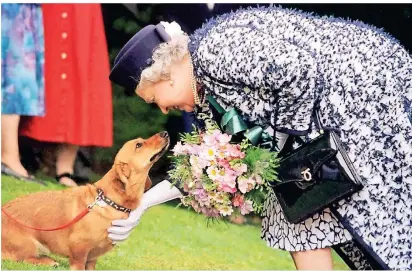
{"points": [[160, 193]]}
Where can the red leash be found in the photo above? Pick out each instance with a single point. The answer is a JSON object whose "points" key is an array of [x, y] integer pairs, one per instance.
{"points": [[77, 218], [101, 198]]}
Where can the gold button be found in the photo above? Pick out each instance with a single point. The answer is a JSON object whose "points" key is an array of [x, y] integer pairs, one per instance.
{"points": [[64, 55], [64, 15], [64, 76], [64, 35]]}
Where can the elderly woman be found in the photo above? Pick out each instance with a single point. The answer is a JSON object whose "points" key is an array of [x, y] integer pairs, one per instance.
{"points": [[272, 61]]}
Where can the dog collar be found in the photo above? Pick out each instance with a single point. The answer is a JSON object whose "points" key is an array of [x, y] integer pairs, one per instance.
{"points": [[101, 197]]}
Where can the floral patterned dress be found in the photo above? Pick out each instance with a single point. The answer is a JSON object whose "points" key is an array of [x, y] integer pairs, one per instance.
{"points": [[360, 81], [22, 60]]}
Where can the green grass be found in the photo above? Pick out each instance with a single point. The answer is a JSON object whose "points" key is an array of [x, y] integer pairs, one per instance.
{"points": [[174, 238]]}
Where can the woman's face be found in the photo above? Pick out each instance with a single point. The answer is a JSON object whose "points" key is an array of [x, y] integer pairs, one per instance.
{"points": [[175, 93]]}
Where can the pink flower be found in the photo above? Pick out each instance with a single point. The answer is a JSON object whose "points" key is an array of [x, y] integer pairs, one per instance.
{"points": [[246, 207], [238, 200], [223, 139], [178, 149], [216, 133], [240, 168], [203, 163], [227, 188], [196, 206], [223, 163], [229, 179], [209, 140], [258, 179], [186, 187], [202, 197], [210, 212], [213, 213], [192, 149], [228, 183], [198, 185], [221, 155], [245, 185], [197, 172], [234, 151], [242, 184]]}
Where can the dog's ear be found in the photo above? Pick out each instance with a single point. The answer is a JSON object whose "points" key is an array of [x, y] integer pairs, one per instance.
{"points": [[123, 171], [148, 184]]}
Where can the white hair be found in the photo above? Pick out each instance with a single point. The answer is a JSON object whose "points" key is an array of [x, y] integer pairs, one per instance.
{"points": [[164, 56]]}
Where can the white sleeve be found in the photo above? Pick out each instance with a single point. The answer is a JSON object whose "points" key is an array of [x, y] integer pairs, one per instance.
{"points": [[160, 193]]}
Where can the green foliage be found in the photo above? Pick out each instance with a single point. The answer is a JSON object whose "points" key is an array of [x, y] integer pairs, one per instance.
{"points": [[181, 169], [190, 138], [262, 162], [132, 118], [258, 197]]}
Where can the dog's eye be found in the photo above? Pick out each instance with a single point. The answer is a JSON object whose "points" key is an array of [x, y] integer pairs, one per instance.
{"points": [[138, 145]]}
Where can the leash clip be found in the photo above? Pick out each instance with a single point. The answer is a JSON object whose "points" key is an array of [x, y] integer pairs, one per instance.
{"points": [[96, 201], [91, 205]]}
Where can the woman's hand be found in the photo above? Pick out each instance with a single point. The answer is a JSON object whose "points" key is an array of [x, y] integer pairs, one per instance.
{"points": [[121, 229], [160, 193]]}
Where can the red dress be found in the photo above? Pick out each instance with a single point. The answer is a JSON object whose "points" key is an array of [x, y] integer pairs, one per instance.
{"points": [[78, 93]]}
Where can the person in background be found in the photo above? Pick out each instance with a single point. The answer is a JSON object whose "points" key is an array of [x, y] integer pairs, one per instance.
{"points": [[22, 79], [78, 93]]}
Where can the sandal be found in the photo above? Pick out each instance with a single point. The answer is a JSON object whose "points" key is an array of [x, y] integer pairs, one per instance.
{"points": [[6, 170], [77, 179]]}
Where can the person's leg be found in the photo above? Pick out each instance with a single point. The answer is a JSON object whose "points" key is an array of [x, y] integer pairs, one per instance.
{"points": [[10, 155], [65, 158], [318, 259]]}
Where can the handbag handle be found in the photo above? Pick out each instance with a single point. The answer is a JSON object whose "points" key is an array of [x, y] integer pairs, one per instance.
{"points": [[318, 122]]}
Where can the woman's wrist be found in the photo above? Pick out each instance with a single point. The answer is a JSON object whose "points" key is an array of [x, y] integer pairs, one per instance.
{"points": [[160, 193]]}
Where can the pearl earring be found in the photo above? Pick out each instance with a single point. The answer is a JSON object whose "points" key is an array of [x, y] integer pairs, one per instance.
{"points": [[171, 83]]}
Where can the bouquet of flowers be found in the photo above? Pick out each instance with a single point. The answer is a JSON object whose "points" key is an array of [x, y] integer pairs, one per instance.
{"points": [[219, 176]]}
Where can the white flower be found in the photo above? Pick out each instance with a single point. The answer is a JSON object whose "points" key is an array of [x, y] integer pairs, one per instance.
{"points": [[172, 29], [213, 172], [226, 210]]}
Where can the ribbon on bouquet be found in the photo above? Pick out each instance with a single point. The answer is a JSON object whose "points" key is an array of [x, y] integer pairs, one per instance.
{"points": [[232, 123]]}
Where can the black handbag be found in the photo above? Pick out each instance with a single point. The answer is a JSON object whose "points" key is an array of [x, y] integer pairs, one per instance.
{"points": [[315, 176]]}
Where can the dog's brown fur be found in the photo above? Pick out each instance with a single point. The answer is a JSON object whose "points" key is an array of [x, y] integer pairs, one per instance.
{"points": [[87, 239]]}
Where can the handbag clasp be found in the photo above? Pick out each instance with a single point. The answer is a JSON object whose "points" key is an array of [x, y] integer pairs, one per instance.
{"points": [[307, 176]]}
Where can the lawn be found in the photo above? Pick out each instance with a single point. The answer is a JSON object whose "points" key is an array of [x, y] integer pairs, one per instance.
{"points": [[174, 238]]}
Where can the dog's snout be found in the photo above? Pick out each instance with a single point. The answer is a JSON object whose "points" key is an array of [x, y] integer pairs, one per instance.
{"points": [[164, 134]]}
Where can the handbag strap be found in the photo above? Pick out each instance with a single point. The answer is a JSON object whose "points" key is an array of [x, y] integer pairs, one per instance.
{"points": [[274, 139], [318, 122]]}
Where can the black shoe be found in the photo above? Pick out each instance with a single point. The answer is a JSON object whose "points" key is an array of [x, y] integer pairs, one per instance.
{"points": [[6, 170]]}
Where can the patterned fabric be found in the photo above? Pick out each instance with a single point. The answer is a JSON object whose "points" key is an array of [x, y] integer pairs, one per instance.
{"points": [[320, 231], [276, 66], [22, 60]]}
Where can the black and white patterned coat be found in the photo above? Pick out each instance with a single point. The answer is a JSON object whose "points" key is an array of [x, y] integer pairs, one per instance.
{"points": [[360, 79]]}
